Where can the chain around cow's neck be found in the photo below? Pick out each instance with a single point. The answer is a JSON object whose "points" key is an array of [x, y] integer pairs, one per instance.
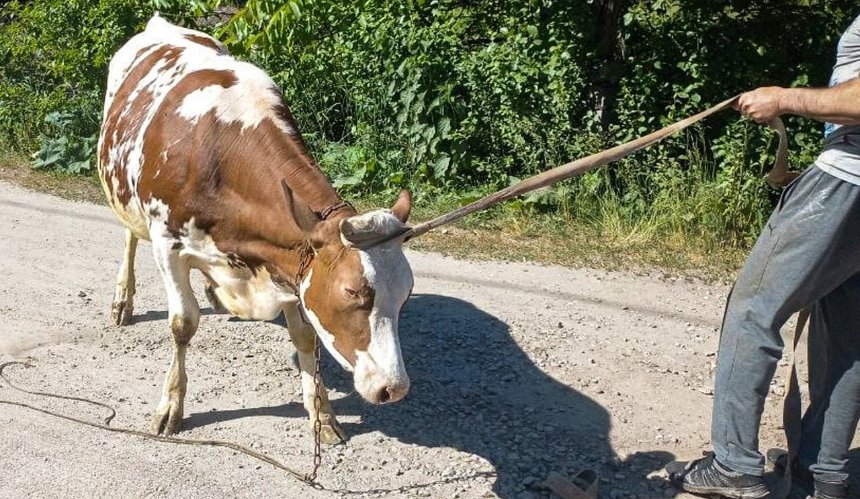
{"points": [[305, 259]]}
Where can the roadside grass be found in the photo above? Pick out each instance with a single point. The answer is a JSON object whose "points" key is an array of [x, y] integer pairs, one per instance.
{"points": [[605, 239], [568, 242], [15, 168]]}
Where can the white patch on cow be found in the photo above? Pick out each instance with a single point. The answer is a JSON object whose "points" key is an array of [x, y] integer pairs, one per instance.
{"points": [[324, 335], [389, 274], [245, 102], [160, 207], [181, 302]]}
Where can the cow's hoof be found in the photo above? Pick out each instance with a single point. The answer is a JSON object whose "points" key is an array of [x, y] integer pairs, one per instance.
{"points": [[213, 300], [330, 432], [121, 313], [332, 435], [165, 422]]}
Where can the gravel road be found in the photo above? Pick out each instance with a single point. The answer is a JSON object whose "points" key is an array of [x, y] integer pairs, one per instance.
{"points": [[517, 370]]}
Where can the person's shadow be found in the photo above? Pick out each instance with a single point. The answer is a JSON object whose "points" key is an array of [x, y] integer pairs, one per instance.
{"points": [[475, 390]]}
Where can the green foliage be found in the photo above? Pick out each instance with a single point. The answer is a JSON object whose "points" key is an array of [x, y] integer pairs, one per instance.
{"points": [[63, 148], [55, 55], [456, 98], [445, 94]]}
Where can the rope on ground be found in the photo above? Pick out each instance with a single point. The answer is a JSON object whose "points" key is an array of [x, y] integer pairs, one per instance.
{"points": [[126, 431], [190, 441]]}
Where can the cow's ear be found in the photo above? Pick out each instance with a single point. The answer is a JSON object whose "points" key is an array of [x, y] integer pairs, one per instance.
{"points": [[306, 219], [403, 206]]}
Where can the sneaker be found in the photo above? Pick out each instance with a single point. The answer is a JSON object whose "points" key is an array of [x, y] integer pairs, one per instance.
{"points": [[708, 476], [830, 490]]}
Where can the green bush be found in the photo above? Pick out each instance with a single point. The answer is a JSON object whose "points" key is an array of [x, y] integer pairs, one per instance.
{"points": [[457, 98], [444, 95], [55, 55], [453, 96]]}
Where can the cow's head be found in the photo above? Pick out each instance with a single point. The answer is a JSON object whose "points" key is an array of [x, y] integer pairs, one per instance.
{"points": [[352, 295]]}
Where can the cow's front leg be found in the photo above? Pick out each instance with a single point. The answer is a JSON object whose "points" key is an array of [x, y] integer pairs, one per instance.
{"points": [[303, 337], [183, 317], [123, 301]]}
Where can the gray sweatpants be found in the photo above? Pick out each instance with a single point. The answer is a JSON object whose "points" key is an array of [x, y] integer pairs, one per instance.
{"points": [[808, 253]]}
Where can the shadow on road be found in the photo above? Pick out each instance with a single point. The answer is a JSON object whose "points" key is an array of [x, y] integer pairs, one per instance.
{"points": [[161, 315], [475, 390], [198, 419]]}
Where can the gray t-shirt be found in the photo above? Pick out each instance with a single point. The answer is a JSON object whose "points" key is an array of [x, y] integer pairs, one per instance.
{"points": [[841, 155]]}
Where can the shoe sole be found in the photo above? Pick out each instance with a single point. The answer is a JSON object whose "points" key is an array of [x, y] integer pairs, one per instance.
{"points": [[757, 492]]}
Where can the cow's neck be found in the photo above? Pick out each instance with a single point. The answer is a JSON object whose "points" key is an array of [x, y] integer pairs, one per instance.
{"points": [[289, 161], [271, 236]]}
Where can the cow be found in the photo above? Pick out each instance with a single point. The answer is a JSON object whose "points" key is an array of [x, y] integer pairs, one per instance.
{"points": [[199, 154]]}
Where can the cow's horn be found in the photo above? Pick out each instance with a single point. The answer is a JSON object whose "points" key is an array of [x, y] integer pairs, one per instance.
{"points": [[354, 235], [363, 234]]}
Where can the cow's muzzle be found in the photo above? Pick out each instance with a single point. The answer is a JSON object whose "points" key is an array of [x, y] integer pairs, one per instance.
{"points": [[388, 393], [380, 386]]}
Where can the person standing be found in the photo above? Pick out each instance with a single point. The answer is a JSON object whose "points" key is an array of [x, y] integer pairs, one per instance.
{"points": [[808, 254]]}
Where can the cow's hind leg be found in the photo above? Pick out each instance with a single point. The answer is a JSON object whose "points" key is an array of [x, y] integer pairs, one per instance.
{"points": [[123, 301], [303, 337], [211, 297], [183, 317]]}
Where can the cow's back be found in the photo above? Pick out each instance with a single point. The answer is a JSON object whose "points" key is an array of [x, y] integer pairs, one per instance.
{"points": [[176, 105]]}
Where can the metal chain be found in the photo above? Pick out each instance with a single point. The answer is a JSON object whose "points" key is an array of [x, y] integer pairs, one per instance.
{"points": [[312, 476], [304, 263]]}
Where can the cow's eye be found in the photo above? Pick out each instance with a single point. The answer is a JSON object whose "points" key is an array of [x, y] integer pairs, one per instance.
{"points": [[361, 297], [363, 292]]}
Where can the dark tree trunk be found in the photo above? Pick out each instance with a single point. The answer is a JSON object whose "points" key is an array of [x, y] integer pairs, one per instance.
{"points": [[609, 57]]}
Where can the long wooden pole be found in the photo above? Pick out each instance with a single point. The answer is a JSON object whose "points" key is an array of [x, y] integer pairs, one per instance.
{"points": [[588, 163], [566, 171]]}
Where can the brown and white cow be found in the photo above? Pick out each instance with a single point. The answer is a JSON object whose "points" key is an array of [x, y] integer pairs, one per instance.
{"points": [[199, 154]]}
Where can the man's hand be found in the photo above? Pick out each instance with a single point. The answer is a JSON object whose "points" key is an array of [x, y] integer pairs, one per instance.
{"points": [[839, 104], [762, 104]]}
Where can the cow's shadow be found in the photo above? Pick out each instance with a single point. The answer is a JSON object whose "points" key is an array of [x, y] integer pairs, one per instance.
{"points": [[475, 390]]}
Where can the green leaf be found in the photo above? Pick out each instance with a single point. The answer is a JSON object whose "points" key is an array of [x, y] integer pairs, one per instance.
{"points": [[443, 127], [440, 167], [356, 178], [78, 166]]}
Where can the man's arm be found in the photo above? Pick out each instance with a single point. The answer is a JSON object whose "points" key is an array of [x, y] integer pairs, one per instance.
{"points": [[839, 104]]}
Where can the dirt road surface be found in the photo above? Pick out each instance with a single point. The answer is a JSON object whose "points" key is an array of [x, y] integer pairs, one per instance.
{"points": [[517, 370]]}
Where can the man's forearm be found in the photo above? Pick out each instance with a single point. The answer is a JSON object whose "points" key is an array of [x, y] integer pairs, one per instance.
{"points": [[839, 104]]}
